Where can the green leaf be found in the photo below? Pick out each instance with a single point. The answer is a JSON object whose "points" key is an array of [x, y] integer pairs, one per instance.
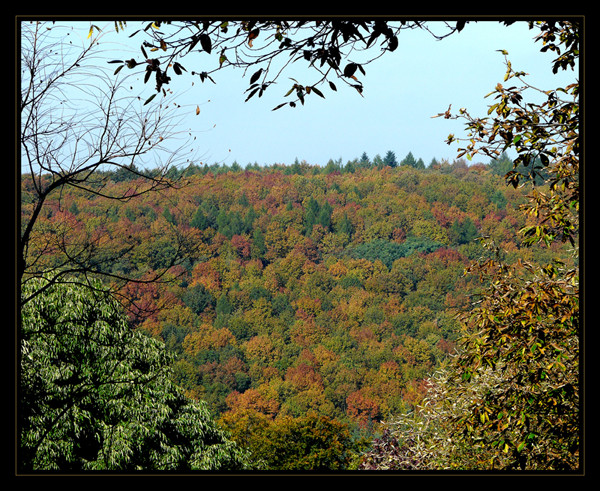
{"points": [[318, 92], [149, 99]]}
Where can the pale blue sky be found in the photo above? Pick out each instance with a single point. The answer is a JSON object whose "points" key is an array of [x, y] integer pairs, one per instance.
{"points": [[403, 90]]}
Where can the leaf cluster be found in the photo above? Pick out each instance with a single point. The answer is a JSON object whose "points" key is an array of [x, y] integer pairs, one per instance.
{"points": [[542, 134], [311, 442], [324, 45], [526, 331], [95, 395]]}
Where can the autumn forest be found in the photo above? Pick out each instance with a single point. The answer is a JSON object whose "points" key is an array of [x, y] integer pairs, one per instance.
{"points": [[381, 314], [330, 291]]}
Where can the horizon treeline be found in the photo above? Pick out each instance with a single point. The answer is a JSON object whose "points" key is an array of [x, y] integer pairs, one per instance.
{"points": [[499, 166]]}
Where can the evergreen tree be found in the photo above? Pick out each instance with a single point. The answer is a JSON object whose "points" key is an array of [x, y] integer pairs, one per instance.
{"points": [[390, 159], [258, 248], [501, 165], [126, 173], [345, 226], [311, 215], [331, 167], [324, 217], [198, 299], [224, 306], [462, 232], [409, 160], [499, 199], [243, 200], [350, 167], [169, 216], [378, 161], [199, 220], [248, 225]]}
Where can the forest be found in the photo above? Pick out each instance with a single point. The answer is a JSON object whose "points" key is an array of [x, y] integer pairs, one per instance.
{"points": [[378, 315], [299, 291]]}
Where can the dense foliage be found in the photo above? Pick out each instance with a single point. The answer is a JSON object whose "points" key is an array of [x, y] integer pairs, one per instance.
{"points": [[98, 396], [510, 399], [312, 295], [302, 306]]}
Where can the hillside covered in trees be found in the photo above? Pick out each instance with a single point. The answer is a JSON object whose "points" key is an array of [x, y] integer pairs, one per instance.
{"points": [[298, 295]]}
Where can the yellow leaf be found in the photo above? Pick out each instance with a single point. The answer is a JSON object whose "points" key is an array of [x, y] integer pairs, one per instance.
{"points": [[92, 27]]}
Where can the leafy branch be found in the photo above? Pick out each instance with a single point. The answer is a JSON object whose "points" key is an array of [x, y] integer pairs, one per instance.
{"points": [[254, 46]]}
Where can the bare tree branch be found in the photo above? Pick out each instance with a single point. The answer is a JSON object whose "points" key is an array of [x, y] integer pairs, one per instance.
{"points": [[80, 124]]}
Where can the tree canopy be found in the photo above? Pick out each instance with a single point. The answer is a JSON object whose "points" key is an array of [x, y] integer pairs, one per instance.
{"points": [[96, 395]]}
